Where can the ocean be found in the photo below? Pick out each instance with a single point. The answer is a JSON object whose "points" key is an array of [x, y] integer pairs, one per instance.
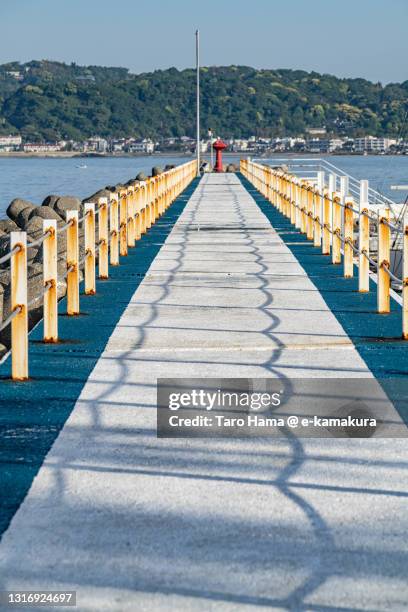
{"points": [[35, 178]]}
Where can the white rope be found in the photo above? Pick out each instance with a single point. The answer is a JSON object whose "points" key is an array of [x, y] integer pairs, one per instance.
{"points": [[11, 316]]}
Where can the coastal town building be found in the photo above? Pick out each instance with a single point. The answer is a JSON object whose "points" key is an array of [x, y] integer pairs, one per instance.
{"points": [[15, 74], [117, 146], [141, 146], [204, 146], [41, 148], [239, 145], [10, 143], [373, 144], [324, 145], [256, 145], [97, 144], [316, 131]]}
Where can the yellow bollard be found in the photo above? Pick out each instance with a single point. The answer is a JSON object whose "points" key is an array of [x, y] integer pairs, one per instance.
{"points": [[19, 325], [163, 194], [348, 267], [149, 215], [383, 263], [123, 219], [72, 264], [326, 223], [143, 207], [269, 185], [156, 199], [336, 225], [148, 218], [50, 277], [131, 217], [103, 239], [292, 201], [114, 229], [151, 202], [364, 240], [278, 189], [89, 267], [287, 196], [303, 209], [317, 218], [167, 192], [298, 203], [138, 196], [309, 209]]}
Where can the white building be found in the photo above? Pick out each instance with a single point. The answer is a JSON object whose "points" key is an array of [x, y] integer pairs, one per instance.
{"points": [[100, 145], [10, 143], [142, 146], [324, 145], [317, 131], [335, 143], [240, 145], [373, 144], [16, 74], [286, 143], [40, 147]]}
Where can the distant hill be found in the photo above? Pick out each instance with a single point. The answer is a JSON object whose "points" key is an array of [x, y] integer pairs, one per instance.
{"points": [[51, 100]]}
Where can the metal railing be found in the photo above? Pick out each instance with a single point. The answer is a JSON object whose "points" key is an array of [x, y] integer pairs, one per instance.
{"points": [[328, 216], [309, 168], [122, 219]]}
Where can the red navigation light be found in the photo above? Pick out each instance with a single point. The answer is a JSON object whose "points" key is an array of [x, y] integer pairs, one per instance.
{"points": [[218, 147]]}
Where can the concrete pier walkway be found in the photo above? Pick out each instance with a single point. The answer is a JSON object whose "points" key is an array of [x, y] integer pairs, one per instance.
{"points": [[132, 522]]}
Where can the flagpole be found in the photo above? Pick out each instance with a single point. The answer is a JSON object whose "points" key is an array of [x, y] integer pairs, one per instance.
{"points": [[198, 98]]}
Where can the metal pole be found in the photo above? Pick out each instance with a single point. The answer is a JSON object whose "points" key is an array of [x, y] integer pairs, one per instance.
{"points": [[198, 98]]}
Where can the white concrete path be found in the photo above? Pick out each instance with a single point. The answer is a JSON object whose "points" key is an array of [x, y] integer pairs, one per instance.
{"points": [[136, 523]]}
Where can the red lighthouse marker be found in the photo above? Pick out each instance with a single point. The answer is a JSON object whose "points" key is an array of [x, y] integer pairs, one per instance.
{"points": [[218, 147]]}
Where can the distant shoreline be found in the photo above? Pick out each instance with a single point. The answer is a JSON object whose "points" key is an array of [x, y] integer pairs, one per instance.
{"points": [[252, 154], [78, 155]]}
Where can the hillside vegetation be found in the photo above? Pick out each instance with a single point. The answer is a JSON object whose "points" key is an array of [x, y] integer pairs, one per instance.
{"points": [[50, 101]]}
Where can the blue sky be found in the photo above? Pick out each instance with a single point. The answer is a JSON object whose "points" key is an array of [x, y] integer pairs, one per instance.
{"points": [[367, 38]]}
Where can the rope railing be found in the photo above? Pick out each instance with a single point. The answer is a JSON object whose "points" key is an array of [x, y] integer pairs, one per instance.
{"points": [[318, 165], [122, 220], [38, 242], [11, 316], [327, 217], [10, 254]]}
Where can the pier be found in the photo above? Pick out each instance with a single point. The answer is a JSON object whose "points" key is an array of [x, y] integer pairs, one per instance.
{"points": [[257, 274]]}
